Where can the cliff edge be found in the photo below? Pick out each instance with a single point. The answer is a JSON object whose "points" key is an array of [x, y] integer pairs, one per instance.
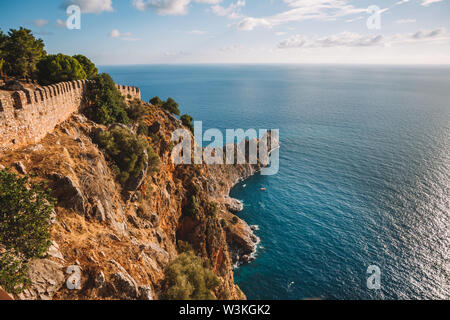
{"points": [[119, 243]]}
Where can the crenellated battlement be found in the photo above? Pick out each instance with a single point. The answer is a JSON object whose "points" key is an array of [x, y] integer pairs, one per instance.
{"points": [[128, 91], [42, 96], [26, 116]]}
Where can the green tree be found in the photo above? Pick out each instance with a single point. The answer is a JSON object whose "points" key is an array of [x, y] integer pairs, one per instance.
{"points": [[128, 152], [187, 121], [171, 106], [25, 210], [136, 110], [109, 105], [21, 52], [58, 68], [156, 101], [88, 66], [2, 44], [188, 279]]}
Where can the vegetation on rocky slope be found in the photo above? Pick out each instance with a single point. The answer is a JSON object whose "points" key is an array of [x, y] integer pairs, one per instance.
{"points": [[131, 154], [188, 279], [25, 210], [108, 105]]}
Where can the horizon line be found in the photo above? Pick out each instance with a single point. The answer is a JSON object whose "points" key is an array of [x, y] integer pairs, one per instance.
{"points": [[278, 63]]}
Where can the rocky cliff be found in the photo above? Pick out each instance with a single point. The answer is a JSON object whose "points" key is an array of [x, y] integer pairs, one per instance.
{"points": [[121, 242]]}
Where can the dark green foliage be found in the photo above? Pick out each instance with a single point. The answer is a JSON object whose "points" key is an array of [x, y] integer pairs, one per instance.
{"points": [[153, 160], [109, 105], [188, 279], [212, 209], [25, 210], [21, 52], [88, 66], [156, 101], [136, 110], [2, 43], [13, 273], [58, 68], [187, 121], [235, 220], [142, 129], [128, 152], [183, 246], [191, 209], [171, 106]]}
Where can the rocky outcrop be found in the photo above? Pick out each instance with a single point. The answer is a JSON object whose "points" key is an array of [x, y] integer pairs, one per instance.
{"points": [[123, 244], [47, 278]]}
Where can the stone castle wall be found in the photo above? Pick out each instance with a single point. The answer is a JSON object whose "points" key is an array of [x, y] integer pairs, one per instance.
{"points": [[26, 116], [129, 92]]}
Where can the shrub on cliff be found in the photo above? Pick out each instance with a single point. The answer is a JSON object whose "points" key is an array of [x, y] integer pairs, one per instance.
{"points": [[21, 52], [108, 104], [191, 209], [88, 66], [2, 43], [187, 121], [212, 209], [25, 210], [171, 106], [188, 279], [128, 152], [156, 101], [59, 68], [136, 110]]}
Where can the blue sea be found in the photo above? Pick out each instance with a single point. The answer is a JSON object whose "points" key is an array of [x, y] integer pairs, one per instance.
{"points": [[364, 172]]}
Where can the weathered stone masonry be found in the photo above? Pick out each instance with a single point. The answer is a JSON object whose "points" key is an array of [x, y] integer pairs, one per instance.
{"points": [[26, 116]]}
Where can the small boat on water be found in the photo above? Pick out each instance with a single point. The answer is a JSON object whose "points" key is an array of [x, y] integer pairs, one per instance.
{"points": [[263, 189]]}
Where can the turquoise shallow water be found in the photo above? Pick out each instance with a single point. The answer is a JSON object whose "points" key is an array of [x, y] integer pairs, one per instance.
{"points": [[364, 172]]}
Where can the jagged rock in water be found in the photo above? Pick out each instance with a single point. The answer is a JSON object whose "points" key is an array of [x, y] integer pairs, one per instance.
{"points": [[233, 205]]}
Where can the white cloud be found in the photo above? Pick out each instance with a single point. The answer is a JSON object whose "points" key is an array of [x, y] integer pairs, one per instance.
{"points": [[40, 23], [405, 21], [233, 11], [248, 24], [301, 10], [350, 39], [196, 32], [427, 3], [90, 6], [60, 23], [169, 7], [427, 34], [116, 34]]}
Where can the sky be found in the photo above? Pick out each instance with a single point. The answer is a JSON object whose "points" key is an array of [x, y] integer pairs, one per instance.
{"points": [[122, 32]]}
